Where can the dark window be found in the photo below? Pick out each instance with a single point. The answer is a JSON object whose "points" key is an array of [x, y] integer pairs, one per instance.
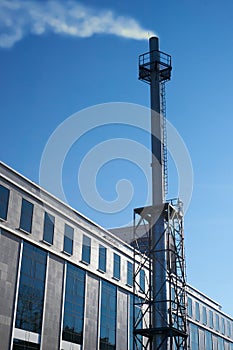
{"points": [[217, 322], [31, 289], [204, 315], [4, 199], [26, 216], [190, 307], [197, 311], [223, 326], [74, 305], [86, 249], [22, 345], [129, 273], [68, 239], [102, 258], [108, 317], [116, 266], [142, 281], [211, 319], [228, 328], [48, 228]]}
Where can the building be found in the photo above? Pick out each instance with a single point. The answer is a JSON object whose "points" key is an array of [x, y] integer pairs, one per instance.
{"points": [[67, 283]]}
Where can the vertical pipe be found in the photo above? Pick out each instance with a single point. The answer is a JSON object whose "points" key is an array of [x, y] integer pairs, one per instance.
{"points": [[159, 317], [156, 125]]}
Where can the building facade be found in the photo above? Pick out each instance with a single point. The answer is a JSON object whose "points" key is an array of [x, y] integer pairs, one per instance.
{"points": [[67, 283]]}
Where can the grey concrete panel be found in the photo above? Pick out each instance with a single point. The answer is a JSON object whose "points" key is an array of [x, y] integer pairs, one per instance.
{"points": [[91, 313], [53, 305], [122, 320], [9, 256]]}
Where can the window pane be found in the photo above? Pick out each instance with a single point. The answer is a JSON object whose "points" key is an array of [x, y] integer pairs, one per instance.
{"points": [[190, 307], [223, 326], [142, 281], [194, 337], [129, 273], [108, 317], [31, 289], [197, 311], [116, 266], [48, 228], [68, 239], [217, 322], [204, 315], [211, 319], [86, 249], [74, 305], [26, 216], [22, 345], [208, 341], [102, 258], [4, 199]]}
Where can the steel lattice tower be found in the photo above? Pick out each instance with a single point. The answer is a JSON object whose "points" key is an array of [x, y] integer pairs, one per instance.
{"points": [[160, 316]]}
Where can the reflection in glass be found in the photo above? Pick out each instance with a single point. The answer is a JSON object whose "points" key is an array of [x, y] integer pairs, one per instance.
{"points": [[116, 266], [4, 199], [68, 239], [74, 305], [22, 345], [129, 273], [48, 228], [108, 317], [26, 216], [102, 258], [31, 289], [86, 249]]}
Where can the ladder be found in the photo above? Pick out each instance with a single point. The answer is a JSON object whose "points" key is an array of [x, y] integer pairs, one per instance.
{"points": [[164, 133]]}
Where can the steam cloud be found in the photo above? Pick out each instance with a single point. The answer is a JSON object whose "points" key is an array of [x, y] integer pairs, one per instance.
{"points": [[19, 18]]}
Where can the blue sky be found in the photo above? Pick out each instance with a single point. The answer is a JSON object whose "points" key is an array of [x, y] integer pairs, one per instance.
{"points": [[57, 58]]}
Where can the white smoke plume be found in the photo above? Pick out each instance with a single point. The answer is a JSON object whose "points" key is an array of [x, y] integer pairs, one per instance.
{"points": [[19, 18]]}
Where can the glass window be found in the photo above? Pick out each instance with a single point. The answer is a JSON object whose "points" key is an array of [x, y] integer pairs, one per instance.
{"points": [[108, 316], [222, 326], [204, 315], [48, 228], [197, 311], [142, 281], [26, 216], [116, 266], [208, 341], [190, 307], [217, 322], [74, 305], [228, 328], [194, 337], [68, 239], [211, 319], [22, 345], [4, 200], [102, 258], [129, 273], [86, 249], [31, 289]]}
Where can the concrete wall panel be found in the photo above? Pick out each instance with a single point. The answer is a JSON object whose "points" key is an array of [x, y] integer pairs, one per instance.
{"points": [[91, 313], [53, 305], [122, 320]]}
